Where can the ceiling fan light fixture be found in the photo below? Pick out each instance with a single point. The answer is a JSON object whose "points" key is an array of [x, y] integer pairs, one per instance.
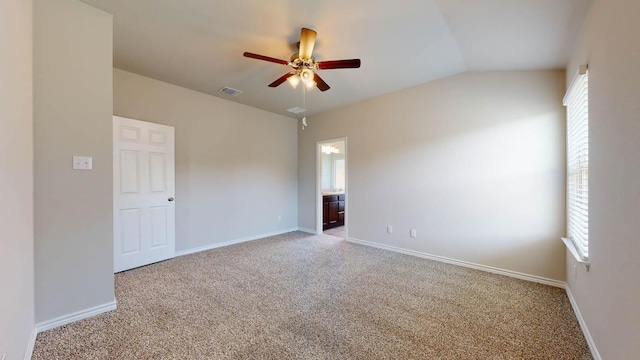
{"points": [[294, 80], [306, 76]]}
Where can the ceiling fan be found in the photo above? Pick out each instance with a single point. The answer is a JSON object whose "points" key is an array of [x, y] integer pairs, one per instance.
{"points": [[303, 64]]}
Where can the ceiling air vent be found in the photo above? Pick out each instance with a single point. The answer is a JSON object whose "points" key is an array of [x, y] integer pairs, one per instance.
{"points": [[296, 110], [230, 91]]}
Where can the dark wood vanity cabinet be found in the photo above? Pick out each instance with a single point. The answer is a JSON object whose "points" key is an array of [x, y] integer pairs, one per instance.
{"points": [[332, 211]]}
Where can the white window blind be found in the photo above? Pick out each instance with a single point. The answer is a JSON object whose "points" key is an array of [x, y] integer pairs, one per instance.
{"points": [[577, 103]]}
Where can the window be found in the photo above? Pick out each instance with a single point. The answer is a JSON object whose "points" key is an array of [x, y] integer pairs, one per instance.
{"points": [[577, 102]]}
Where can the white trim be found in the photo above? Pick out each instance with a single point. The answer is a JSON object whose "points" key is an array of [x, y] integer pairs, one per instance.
{"points": [[572, 249], [490, 269], [310, 231], [31, 345], [73, 317], [232, 242], [583, 325]]}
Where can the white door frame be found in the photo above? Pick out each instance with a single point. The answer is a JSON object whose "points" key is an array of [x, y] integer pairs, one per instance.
{"points": [[319, 184]]}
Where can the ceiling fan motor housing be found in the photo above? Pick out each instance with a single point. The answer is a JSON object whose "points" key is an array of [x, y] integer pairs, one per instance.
{"points": [[297, 62]]}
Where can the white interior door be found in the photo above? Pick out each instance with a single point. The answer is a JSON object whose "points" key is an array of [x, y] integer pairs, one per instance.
{"points": [[143, 193]]}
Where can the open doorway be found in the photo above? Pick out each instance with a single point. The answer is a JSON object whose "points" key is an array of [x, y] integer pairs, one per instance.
{"points": [[331, 189]]}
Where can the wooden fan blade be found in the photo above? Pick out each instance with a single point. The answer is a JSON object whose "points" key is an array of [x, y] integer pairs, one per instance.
{"points": [[280, 80], [320, 83], [339, 64], [307, 42], [265, 58]]}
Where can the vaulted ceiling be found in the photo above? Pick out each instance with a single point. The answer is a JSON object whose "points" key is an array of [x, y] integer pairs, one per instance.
{"points": [[198, 44]]}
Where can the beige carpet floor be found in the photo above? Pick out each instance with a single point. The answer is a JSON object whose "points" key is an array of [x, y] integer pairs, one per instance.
{"points": [[297, 296]]}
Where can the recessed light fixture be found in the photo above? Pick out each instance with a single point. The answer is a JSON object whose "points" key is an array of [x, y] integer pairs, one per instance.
{"points": [[296, 110], [230, 91]]}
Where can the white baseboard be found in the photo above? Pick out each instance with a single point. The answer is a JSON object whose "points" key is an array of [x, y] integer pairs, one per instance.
{"points": [[310, 231], [232, 242], [583, 326], [32, 343], [515, 274], [78, 315]]}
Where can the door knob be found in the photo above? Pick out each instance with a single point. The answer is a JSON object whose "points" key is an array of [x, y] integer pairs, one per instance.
{"points": [[171, 199]]}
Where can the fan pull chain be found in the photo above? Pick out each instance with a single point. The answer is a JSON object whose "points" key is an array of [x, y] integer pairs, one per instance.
{"points": [[304, 106]]}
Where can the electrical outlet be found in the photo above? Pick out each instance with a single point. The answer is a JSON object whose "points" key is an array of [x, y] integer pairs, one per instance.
{"points": [[279, 217], [413, 233], [389, 229]]}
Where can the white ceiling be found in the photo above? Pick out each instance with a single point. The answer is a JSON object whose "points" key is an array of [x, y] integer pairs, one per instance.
{"points": [[198, 44]]}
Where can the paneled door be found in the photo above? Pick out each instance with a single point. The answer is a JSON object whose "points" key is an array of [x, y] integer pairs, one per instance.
{"points": [[143, 193]]}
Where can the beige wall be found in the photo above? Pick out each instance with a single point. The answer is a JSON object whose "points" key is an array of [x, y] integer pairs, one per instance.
{"points": [[608, 295], [16, 178], [473, 162], [72, 116], [235, 165]]}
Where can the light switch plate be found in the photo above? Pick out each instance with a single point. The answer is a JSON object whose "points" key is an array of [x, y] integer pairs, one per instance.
{"points": [[82, 163], [413, 233]]}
